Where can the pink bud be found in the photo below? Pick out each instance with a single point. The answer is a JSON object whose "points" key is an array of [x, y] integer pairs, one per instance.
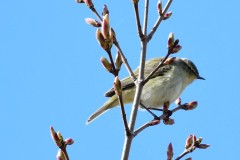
{"points": [[167, 15], [176, 49], [69, 141], [105, 10], [106, 64], [93, 22], [59, 136], [194, 138], [55, 137], [191, 105], [170, 60], [105, 27], [159, 7], [88, 3], [178, 101], [101, 39], [170, 152], [155, 122], [117, 86], [189, 141], [118, 61], [80, 1], [170, 40]]}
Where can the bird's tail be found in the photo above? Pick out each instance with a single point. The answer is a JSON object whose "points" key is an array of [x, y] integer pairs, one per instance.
{"points": [[112, 102]]}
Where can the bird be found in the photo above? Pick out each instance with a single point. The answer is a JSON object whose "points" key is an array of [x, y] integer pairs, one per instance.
{"points": [[166, 85]]}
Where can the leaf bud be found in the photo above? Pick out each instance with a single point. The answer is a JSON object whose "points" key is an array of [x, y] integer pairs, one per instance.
{"points": [[189, 141], [69, 141], [106, 64], [88, 3], [170, 60], [101, 39], [167, 15], [55, 137], [176, 49], [106, 27], [191, 105], [159, 7], [118, 61], [93, 22], [170, 40], [117, 86], [105, 10], [170, 152]]}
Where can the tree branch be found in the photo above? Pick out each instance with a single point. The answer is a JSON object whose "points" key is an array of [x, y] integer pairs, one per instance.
{"points": [[139, 86], [127, 131], [136, 11], [185, 152], [96, 13], [154, 122], [159, 20]]}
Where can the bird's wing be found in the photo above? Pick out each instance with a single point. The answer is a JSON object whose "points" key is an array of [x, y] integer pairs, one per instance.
{"points": [[149, 67]]}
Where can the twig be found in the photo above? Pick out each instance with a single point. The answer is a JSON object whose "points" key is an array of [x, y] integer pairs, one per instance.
{"points": [[159, 20], [139, 28], [96, 13], [115, 42], [145, 22], [195, 144], [114, 71], [120, 99], [151, 123], [185, 152]]}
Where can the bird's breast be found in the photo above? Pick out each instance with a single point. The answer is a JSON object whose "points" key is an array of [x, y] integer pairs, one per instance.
{"points": [[162, 89]]}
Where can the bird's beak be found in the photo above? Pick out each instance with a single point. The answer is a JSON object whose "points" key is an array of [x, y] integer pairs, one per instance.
{"points": [[199, 77]]}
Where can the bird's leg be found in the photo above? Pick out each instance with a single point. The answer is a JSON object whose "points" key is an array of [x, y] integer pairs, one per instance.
{"points": [[156, 109], [149, 111]]}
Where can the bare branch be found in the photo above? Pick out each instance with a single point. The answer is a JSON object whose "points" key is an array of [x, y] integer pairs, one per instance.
{"points": [[136, 11], [185, 152], [127, 131], [96, 13], [159, 20], [145, 22], [154, 122]]}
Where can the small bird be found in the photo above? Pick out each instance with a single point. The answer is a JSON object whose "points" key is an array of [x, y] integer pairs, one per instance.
{"points": [[165, 85]]}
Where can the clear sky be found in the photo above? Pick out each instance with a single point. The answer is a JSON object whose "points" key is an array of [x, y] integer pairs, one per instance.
{"points": [[50, 74]]}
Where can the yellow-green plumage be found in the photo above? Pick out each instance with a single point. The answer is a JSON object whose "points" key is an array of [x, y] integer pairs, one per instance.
{"points": [[165, 85]]}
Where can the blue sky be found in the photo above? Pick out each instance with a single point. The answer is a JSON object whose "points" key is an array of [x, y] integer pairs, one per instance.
{"points": [[50, 74]]}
